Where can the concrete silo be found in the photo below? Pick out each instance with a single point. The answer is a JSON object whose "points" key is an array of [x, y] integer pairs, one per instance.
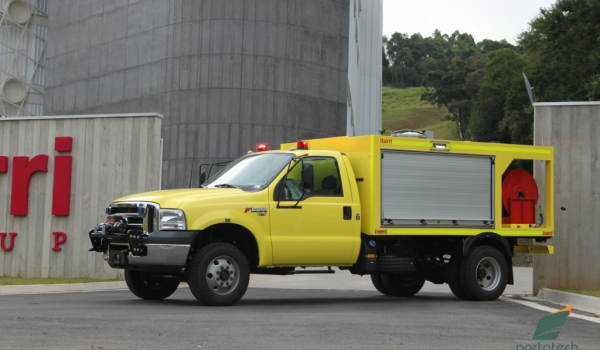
{"points": [[23, 30], [226, 74]]}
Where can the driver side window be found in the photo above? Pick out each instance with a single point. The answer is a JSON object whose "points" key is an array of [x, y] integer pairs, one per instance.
{"points": [[293, 184], [326, 180]]}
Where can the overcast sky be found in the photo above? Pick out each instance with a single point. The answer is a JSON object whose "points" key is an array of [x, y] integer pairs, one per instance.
{"points": [[484, 19]]}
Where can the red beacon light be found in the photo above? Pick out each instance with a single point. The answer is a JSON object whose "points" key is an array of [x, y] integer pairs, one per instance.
{"points": [[261, 147], [302, 145]]}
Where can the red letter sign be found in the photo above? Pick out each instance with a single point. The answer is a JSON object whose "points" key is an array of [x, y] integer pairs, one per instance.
{"points": [[23, 170], [59, 238], [63, 165], [12, 241], [3, 164]]}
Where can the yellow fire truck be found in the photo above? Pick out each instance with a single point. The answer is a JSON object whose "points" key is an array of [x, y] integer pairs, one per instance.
{"points": [[403, 210]]}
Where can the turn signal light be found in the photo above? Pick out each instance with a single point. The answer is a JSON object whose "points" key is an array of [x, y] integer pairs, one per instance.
{"points": [[261, 147], [302, 145]]}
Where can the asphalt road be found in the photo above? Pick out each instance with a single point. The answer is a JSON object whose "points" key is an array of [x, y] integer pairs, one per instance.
{"points": [[274, 318]]}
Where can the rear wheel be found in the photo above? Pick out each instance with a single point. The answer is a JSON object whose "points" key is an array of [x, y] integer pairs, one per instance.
{"points": [[145, 286], [219, 274], [378, 284], [402, 285], [452, 277], [483, 273]]}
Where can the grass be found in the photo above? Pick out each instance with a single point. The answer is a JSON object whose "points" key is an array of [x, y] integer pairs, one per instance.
{"points": [[403, 109], [588, 292], [19, 281]]}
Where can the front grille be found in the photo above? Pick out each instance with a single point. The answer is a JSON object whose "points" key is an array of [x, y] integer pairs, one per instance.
{"points": [[123, 210], [147, 223], [132, 220]]}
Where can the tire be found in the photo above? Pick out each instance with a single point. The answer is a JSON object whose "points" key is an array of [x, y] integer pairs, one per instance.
{"points": [[378, 284], [219, 275], [144, 286], [452, 277], [483, 274], [400, 285]]}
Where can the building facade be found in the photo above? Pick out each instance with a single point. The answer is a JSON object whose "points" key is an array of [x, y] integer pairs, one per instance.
{"points": [[364, 68]]}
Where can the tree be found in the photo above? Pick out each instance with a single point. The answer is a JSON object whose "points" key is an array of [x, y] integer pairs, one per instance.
{"points": [[385, 62], [487, 45], [489, 121], [563, 51], [456, 88]]}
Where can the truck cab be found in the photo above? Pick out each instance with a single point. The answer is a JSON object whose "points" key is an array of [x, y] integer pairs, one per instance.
{"points": [[279, 209]]}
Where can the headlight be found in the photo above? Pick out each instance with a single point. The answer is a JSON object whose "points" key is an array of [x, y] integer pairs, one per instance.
{"points": [[171, 219]]}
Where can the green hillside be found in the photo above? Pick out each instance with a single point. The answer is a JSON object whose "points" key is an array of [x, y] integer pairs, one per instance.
{"points": [[403, 109]]}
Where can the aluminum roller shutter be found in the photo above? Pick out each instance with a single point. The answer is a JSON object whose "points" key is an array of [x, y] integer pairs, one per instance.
{"points": [[434, 186]]}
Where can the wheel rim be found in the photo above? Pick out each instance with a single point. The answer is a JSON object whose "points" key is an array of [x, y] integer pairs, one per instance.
{"points": [[488, 273], [222, 275]]}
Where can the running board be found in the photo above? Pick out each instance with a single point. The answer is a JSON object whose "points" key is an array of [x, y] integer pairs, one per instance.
{"points": [[284, 271]]}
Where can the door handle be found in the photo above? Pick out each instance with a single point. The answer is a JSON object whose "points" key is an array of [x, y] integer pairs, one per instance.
{"points": [[347, 213]]}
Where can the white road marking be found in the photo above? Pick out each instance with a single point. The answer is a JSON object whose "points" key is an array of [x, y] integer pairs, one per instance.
{"points": [[549, 309]]}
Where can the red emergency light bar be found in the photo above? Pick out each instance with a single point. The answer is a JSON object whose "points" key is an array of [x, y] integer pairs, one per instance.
{"points": [[261, 147], [302, 145]]}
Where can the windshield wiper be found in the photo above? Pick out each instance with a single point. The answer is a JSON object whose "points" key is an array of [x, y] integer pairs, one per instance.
{"points": [[225, 186]]}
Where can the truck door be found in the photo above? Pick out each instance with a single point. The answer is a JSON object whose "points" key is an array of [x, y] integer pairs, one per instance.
{"points": [[319, 229]]}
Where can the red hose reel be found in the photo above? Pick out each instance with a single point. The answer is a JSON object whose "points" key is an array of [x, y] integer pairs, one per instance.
{"points": [[519, 196]]}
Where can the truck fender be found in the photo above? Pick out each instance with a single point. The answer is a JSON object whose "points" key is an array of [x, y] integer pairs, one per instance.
{"points": [[494, 240], [262, 238]]}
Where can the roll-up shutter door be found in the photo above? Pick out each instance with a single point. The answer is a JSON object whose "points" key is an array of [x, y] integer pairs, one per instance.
{"points": [[445, 189]]}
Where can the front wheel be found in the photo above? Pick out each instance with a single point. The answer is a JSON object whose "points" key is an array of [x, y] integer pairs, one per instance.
{"points": [[145, 286], [219, 275], [402, 285], [483, 273]]}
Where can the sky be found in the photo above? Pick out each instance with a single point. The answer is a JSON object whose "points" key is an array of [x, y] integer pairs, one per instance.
{"points": [[484, 19]]}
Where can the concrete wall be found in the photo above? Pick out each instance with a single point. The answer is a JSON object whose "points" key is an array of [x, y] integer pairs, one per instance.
{"points": [[572, 128], [226, 74], [113, 156], [364, 68]]}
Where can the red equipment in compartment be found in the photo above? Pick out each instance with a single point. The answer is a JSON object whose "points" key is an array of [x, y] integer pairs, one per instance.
{"points": [[519, 196]]}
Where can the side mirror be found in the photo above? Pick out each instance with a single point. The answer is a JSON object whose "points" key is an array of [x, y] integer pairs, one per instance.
{"points": [[308, 176], [202, 178]]}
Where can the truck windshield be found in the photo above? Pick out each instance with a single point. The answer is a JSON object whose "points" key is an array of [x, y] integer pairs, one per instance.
{"points": [[250, 173]]}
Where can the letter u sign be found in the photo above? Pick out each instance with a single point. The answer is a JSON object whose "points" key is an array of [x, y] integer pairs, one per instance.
{"points": [[11, 245]]}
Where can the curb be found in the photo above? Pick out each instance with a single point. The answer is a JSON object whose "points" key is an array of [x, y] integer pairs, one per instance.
{"points": [[62, 288], [583, 302]]}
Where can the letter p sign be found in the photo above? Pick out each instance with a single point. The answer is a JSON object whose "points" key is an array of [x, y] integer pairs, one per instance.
{"points": [[59, 238]]}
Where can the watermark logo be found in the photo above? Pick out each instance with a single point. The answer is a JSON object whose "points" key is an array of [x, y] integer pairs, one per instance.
{"points": [[550, 326]]}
